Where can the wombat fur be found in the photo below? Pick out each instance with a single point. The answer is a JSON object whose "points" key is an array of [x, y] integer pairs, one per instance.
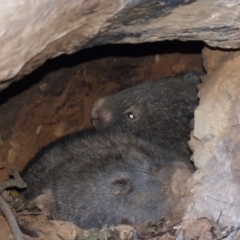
{"points": [[95, 178], [159, 111]]}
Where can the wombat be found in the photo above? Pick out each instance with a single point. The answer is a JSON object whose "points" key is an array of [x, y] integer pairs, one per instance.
{"points": [[159, 111], [101, 178]]}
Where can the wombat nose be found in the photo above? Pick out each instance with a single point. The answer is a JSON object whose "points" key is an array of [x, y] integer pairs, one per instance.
{"points": [[101, 119], [94, 116], [97, 105], [95, 120]]}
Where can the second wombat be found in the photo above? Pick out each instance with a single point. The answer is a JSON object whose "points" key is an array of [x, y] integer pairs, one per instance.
{"points": [[94, 178]]}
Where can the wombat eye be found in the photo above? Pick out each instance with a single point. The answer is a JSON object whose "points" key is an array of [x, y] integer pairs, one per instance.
{"points": [[130, 115]]}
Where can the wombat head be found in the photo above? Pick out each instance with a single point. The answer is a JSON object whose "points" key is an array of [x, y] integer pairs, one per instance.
{"points": [[162, 107], [116, 110]]}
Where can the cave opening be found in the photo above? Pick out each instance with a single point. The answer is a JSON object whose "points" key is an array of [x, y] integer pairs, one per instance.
{"points": [[56, 99]]}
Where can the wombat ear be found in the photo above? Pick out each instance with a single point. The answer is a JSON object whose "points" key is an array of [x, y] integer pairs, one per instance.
{"points": [[121, 186]]}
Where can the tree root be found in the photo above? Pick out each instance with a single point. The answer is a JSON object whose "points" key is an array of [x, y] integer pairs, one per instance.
{"points": [[19, 183]]}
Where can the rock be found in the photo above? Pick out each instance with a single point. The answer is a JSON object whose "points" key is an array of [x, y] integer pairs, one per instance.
{"points": [[33, 32], [216, 142], [201, 229]]}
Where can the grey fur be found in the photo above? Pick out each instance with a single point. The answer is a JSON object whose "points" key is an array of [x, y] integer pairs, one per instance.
{"points": [[93, 178], [161, 111]]}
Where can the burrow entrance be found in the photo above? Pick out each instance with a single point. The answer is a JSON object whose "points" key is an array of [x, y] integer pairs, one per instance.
{"points": [[57, 98]]}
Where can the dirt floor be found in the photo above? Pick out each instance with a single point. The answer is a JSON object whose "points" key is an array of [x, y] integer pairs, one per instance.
{"points": [[57, 98]]}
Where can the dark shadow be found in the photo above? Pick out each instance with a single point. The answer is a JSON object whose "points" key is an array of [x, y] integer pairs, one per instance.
{"points": [[98, 52]]}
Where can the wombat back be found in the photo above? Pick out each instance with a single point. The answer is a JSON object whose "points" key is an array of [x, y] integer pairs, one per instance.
{"points": [[106, 178]]}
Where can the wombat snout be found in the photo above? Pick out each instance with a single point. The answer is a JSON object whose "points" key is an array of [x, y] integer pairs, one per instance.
{"points": [[100, 117]]}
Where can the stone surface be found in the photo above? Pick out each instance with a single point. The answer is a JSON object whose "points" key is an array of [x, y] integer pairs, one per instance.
{"points": [[216, 141], [201, 229], [32, 32]]}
